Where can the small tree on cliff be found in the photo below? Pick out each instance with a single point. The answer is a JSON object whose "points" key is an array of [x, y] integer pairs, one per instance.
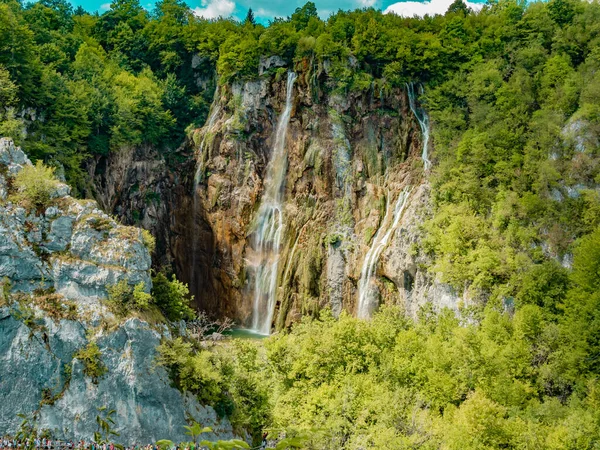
{"points": [[250, 18]]}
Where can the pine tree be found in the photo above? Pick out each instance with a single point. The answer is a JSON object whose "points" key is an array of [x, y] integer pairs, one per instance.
{"points": [[250, 17]]}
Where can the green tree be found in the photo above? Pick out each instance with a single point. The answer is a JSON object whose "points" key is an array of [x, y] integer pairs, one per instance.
{"points": [[250, 17], [458, 7], [172, 297], [302, 16]]}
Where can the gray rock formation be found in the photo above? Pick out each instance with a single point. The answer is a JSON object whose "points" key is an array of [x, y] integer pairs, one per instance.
{"points": [[58, 263], [72, 246], [270, 62], [39, 376]]}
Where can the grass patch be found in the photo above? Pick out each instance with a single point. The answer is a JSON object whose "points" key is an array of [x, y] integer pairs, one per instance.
{"points": [[55, 305]]}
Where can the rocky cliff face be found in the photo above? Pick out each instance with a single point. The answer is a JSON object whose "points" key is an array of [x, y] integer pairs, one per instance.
{"points": [[140, 188], [55, 266], [350, 155]]}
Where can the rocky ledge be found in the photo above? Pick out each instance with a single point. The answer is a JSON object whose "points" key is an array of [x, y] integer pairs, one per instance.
{"points": [[56, 264]]}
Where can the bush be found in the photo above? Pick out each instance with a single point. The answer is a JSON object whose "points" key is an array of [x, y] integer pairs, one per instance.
{"points": [[35, 185], [5, 288], [122, 298], [172, 297], [141, 299], [191, 371], [93, 366], [226, 377], [149, 241], [545, 285]]}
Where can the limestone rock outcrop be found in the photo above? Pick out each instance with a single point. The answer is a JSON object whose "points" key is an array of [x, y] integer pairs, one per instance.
{"points": [[71, 245], [55, 266]]}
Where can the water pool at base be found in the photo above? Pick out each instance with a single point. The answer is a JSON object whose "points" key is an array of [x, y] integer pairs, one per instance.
{"points": [[244, 333]]}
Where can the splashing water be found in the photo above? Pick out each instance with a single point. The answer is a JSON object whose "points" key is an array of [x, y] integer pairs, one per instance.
{"points": [[263, 256], [365, 285], [423, 120]]}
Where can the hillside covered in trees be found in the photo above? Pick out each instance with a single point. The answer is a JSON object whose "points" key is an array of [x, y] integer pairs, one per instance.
{"points": [[513, 94]]}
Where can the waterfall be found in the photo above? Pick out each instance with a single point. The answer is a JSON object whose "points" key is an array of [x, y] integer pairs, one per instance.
{"points": [[367, 273], [423, 120], [263, 255], [215, 109], [365, 284]]}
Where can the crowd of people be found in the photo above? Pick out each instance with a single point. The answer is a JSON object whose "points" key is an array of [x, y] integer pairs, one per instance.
{"points": [[9, 443]]}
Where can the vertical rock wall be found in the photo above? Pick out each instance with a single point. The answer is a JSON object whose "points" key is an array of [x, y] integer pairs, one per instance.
{"points": [[56, 263], [346, 153]]}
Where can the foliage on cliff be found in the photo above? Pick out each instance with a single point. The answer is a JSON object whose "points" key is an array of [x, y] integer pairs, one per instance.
{"points": [[228, 377], [494, 379], [35, 185], [515, 130], [87, 84], [521, 378]]}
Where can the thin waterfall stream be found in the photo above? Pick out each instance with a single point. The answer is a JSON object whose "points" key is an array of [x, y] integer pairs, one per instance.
{"points": [[423, 120], [366, 287], [380, 242], [263, 254]]}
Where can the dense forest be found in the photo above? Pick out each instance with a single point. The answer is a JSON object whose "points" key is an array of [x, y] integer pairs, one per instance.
{"points": [[513, 93]]}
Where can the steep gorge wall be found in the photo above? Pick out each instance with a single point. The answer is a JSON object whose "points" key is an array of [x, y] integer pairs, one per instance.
{"points": [[141, 188], [347, 153]]}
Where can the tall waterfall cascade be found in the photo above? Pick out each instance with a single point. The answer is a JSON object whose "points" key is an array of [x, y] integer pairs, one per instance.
{"points": [[215, 109], [263, 254], [423, 120], [367, 301], [367, 294]]}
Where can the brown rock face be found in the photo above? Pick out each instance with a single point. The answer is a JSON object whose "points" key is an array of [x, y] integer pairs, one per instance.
{"points": [[142, 189], [349, 154], [346, 153]]}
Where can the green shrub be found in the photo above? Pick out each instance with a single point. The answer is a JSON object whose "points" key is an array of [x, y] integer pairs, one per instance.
{"points": [[149, 241], [91, 357], [172, 297], [226, 377], [545, 285], [141, 299], [5, 288], [196, 372], [123, 298], [35, 185]]}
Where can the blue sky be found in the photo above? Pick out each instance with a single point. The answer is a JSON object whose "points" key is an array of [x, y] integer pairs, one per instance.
{"points": [[265, 10]]}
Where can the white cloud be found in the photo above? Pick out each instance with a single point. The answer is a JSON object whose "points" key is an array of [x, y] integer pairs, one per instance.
{"points": [[212, 9], [263, 12], [325, 13], [411, 9], [366, 3], [104, 6]]}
